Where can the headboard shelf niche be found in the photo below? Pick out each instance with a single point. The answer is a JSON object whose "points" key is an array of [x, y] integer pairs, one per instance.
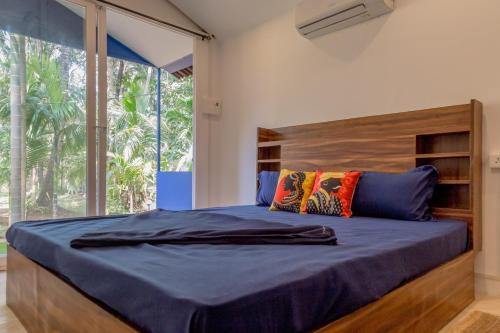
{"points": [[448, 138], [268, 150]]}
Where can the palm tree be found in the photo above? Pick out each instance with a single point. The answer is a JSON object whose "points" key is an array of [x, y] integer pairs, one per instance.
{"points": [[52, 145], [57, 117], [131, 148], [17, 126], [177, 124]]}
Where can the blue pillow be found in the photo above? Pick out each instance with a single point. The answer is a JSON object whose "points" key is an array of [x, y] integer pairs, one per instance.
{"points": [[268, 181], [402, 196]]}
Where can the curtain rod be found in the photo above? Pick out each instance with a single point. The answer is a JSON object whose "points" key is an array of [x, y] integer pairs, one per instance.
{"points": [[206, 36]]}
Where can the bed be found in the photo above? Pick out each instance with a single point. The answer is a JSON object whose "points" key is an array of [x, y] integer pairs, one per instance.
{"points": [[384, 276], [374, 257]]}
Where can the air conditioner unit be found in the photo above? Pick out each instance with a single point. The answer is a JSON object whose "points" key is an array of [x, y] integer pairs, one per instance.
{"points": [[319, 17]]}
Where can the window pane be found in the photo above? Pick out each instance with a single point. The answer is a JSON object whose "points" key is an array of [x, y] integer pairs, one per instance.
{"points": [[132, 111], [131, 160], [42, 111]]}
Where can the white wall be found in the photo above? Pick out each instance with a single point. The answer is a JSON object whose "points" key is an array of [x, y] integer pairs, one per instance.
{"points": [[427, 53], [205, 87]]}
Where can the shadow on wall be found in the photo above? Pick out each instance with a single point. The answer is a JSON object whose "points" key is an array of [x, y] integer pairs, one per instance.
{"points": [[348, 44], [491, 209]]}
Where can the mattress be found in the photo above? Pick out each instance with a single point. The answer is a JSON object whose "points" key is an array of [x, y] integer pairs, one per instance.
{"points": [[243, 288]]}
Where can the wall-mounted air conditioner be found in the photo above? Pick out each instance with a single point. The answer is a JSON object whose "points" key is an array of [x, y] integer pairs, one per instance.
{"points": [[318, 17]]}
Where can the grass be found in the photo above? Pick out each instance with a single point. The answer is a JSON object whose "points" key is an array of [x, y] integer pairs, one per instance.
{"points": [[3, 248], [74, 203]]}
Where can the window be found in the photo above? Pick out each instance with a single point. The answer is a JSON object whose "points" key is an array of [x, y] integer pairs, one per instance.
{"points": [[80, 133]]}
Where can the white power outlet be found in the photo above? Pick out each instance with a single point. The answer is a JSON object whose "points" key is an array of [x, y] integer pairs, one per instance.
{"points": [[212, 106], [495, 161]]}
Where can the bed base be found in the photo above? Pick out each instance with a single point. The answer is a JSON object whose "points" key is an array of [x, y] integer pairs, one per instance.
{"points": [[45, 303], [425, 304]]}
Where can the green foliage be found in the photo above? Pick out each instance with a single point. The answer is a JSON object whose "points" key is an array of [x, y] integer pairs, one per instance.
{"points": [[55, 118], [177, 127], [3, 248], [132, 134], [56, 129], [132, 144]]}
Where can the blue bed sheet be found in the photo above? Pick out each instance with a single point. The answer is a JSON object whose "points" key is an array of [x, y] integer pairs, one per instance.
{"points": [[244, 288]]}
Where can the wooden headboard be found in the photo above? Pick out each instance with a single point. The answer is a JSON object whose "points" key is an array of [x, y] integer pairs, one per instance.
{"points": [[448, 138]]}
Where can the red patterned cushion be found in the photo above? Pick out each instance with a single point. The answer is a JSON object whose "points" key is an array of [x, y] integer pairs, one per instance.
{"points": [[332, 193]]}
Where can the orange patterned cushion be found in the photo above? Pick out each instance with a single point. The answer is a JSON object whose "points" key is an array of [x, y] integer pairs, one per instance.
{"points": [[332, 193], [294, 187]]}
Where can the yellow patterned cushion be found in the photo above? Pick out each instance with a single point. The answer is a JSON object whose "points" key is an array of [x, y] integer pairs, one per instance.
{"points": [[293, 190]]}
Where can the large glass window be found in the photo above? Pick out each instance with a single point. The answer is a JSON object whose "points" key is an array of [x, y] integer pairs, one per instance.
{"points": [[132, 133], [131, 163], [42, 114], [61, 158], [132, 113]]}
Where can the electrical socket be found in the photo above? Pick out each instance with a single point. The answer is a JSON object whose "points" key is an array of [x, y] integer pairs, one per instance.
{"points": [[212, 106], [495, 161]]}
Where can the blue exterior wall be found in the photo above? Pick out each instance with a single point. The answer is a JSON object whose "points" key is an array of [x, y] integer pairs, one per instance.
{"points": [[50, 21], [174, 190]]}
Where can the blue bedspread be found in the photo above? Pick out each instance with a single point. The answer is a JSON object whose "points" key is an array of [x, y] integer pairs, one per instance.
{"points": [[193, 227], [244, 288]]}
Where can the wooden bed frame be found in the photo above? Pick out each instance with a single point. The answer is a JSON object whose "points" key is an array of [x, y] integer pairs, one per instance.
{"points": [[448, 138]]}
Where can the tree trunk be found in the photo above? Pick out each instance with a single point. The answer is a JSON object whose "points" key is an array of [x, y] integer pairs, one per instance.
{"points": [[24, 112], [64, 64], [146, 84], [17, 127], [131, 201], [46, 196], [119, 79], [148, 80], [39, 177]]}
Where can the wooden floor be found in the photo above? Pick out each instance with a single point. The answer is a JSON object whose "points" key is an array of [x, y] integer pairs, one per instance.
{"points": [[8, 321], [10, 324], [488, 305]]}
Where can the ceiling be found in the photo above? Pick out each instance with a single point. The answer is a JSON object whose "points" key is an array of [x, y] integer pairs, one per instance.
{"points": [[224, 18], [156, 44]]}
